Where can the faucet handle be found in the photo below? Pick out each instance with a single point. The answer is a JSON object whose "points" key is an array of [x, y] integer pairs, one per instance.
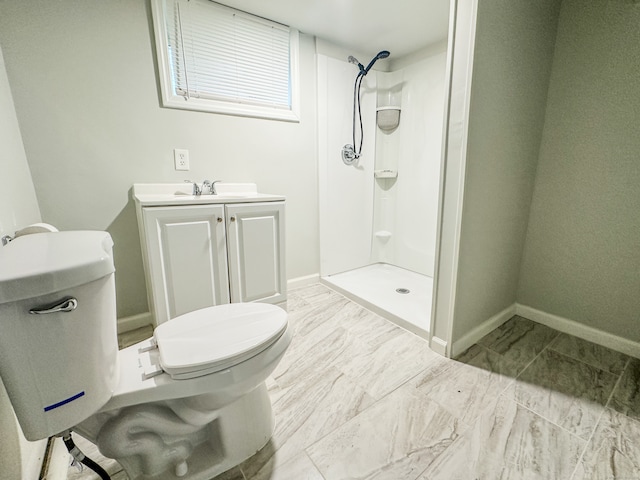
{"points": [[196, 189], [212, 187]]}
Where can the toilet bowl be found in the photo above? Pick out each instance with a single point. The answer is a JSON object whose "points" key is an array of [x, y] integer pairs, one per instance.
{"points": [[190, 402]]}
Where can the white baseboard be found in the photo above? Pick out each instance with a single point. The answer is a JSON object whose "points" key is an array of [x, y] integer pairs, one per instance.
{"points": [[126, 324], [439, 346], [481, 330], [565, 325], [580, 330], [303, 281]]}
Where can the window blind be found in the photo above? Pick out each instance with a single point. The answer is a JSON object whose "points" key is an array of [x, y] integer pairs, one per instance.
{"points": [[218, 53]]}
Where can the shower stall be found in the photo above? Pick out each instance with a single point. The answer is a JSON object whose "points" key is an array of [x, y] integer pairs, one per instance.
{"points": [[378, 211]]}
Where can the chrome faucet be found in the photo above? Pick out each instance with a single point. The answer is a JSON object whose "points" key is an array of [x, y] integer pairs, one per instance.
{"points": [[207, 187], [196, 189]]}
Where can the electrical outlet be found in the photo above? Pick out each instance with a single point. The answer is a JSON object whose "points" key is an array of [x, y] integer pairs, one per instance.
{"points": [[181, 158]]}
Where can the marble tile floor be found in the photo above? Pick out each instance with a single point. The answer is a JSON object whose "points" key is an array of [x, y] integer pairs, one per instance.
{"points": [[356, 397]]}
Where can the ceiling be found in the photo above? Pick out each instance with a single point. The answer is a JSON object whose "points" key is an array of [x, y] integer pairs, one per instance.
{"points": [[363, 26]]}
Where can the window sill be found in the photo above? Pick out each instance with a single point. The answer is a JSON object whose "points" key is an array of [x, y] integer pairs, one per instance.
{"points": [[230, 108]]}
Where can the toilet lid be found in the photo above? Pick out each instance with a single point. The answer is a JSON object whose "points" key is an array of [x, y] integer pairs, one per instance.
{"points": [[214, 338]]}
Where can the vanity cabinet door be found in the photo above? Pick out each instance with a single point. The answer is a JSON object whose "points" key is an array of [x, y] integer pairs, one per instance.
{"points": [[187, 258], [255, 243]]}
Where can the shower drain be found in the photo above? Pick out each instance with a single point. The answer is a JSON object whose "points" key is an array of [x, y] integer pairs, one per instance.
{"points": [[403, 291]]}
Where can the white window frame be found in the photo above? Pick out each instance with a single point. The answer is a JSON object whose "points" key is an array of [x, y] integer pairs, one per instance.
{"points": [[172, 99]]}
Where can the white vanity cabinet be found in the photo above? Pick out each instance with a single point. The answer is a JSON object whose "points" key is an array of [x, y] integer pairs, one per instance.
{"points": [[203, 254], [186, 258], [255, 252]]}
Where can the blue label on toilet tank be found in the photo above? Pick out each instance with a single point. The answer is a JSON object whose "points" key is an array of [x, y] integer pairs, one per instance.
{"points": [[64, 402]]}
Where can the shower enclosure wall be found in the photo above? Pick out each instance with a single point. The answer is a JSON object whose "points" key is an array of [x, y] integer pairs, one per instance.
{"points": [[378, 216]]}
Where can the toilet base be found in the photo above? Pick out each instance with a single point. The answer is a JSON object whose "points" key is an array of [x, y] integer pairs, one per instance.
{"points": [[174, 440]]}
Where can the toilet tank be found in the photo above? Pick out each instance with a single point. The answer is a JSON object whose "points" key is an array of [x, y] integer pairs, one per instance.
{"points": [[58, 338]]}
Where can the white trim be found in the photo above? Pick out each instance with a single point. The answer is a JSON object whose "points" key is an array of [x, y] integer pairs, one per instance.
{"points": [[303, 281], [127, 324], [172, 100], [322, 140], [483, 329], [133, 322], [580, 330], [454, 160], [438, 345]]}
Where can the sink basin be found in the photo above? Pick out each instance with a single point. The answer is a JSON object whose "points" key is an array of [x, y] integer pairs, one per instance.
{"points": [[236, 189]]}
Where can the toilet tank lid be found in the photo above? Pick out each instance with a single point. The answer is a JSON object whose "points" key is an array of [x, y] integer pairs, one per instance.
{"points": [[43, 263]]}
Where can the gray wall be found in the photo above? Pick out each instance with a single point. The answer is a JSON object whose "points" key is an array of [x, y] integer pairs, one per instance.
{"points": [[511, 69], [18, 208], [582, 255], [18, 203], [84, 83]]}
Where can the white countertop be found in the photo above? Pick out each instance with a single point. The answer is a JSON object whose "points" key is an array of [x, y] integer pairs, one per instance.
{"points": [[157, 194]]}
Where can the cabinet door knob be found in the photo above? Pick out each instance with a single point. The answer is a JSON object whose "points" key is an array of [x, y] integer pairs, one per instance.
{"points": [[233, 219], [219, 219]]}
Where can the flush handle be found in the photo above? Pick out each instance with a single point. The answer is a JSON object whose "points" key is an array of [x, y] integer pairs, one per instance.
{"points": [[67, 304]]}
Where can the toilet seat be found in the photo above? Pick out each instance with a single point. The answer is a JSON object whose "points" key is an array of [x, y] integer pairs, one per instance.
{"points": [[216, 338]]}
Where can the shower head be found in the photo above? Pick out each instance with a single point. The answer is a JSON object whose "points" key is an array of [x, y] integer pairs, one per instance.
{"points": [[355, 61], [380, 55]]}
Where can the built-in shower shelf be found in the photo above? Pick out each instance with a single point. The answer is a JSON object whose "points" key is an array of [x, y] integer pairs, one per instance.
{"points": [[383, 235], [386, 173]]}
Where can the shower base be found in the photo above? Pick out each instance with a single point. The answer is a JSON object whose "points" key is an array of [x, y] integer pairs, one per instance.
{"points": [[376, 287]]}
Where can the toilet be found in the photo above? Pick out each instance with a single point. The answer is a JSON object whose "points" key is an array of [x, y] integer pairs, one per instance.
{"points": [[191, 402]]}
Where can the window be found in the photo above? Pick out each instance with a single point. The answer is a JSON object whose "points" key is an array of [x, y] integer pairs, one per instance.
{"points": [[216, 59]]}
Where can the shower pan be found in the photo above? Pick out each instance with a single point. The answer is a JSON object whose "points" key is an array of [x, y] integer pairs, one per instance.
{"points": [[400, 295]]}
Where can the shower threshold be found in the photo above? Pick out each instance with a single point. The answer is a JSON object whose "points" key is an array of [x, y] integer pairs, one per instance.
{"points": [[399, 295]]}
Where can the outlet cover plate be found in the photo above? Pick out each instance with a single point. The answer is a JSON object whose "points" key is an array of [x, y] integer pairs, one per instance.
{"points": [[181, 158]]}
